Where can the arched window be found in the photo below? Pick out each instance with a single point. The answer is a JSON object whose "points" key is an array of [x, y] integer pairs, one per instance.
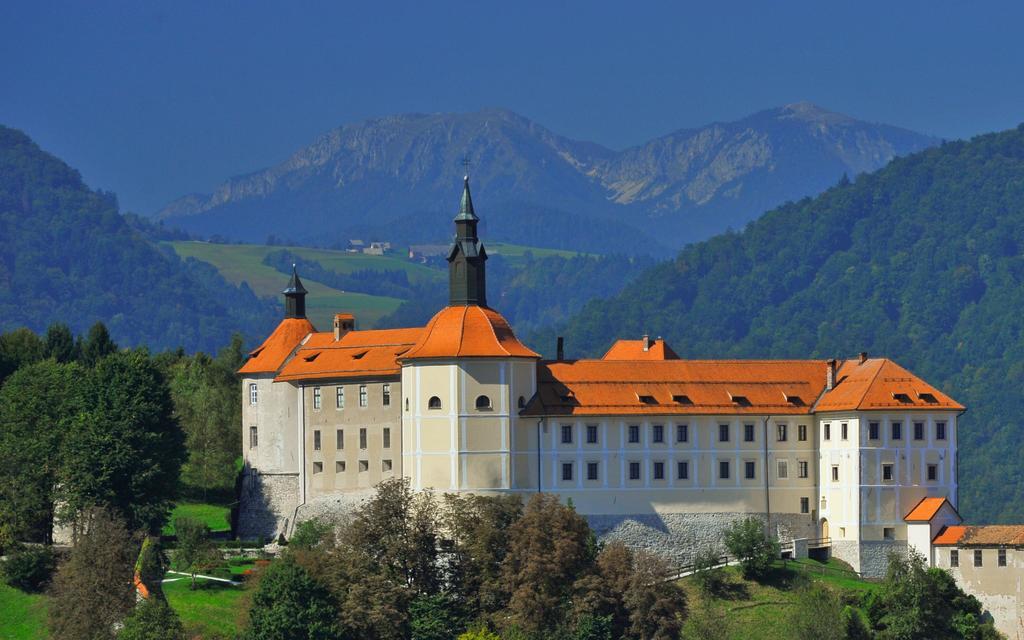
{"points": [[434, 403], [407, 404], [483, 403], [522, 402]]}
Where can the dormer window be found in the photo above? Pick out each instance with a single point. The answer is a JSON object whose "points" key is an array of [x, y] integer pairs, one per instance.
{"points": [[741, 401], [796, 401], [902, 398], [434, 403], [359, 356], [311, 357], [928, 397], [483, 403], [680, 398], [647, 399]]}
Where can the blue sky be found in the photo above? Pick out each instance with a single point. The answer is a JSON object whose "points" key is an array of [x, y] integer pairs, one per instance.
{"points": [[154, 100]]}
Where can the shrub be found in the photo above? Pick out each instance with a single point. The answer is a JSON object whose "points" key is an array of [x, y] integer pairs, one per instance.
{"points": [[709, 577], [152, 619], [29, 568], [756, 552], [479, 633]]}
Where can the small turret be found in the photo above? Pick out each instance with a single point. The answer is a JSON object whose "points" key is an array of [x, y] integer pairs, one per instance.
{"points": [[295, 297], [466, 257]]}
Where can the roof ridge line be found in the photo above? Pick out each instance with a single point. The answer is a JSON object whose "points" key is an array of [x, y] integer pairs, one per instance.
{"points": [[493, 333]]}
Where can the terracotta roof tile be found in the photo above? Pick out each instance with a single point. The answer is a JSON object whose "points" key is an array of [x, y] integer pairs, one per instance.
{"points": [[657, 349], [269, 356], [468, 332], [880, 383], [926, 509], [615, 387], [372, 353], [987, 535]]}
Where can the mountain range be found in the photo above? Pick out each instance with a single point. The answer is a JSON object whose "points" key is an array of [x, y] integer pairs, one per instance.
{"points": [[921, 262], [396, 178]]}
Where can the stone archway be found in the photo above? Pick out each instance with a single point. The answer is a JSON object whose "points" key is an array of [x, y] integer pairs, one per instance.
{"points": [[824, 528]]}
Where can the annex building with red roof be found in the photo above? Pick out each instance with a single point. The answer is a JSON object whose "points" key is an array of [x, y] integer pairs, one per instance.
{"points": [[655, 449]]}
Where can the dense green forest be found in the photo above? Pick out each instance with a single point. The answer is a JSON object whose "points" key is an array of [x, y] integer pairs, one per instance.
{"points": [[67, 255], [922, 262]]}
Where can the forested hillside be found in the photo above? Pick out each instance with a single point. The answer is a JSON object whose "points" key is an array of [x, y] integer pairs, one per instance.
{"points": [[67, 255], [922, 261]]}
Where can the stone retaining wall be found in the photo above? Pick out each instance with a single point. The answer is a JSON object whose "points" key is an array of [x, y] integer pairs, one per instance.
{"points": [[267, 505]]}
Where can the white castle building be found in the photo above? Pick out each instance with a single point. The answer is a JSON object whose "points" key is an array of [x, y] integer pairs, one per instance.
{"points": [[654, 449]]}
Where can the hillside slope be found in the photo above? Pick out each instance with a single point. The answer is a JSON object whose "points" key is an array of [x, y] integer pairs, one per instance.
{"points": [[393, 178], [67, 255], [921, 262]]}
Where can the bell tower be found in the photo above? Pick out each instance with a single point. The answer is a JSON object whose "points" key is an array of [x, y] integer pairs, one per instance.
{"points": [[467, 284], [294, 297]]}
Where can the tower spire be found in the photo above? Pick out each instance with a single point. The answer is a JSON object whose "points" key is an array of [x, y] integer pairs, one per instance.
{"points": [[294, 297], [466, 257]]}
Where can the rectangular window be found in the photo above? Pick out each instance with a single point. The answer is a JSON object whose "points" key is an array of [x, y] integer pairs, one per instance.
{"points": [[783, 469], [316, 398], [254, 393], [658, 433], [801, 468], [318, 467], [977, 557], [316, 440], [362, 438], [566, 434], [723, 433], [805, 505], [566, 471], [826, 431], [659, 470], [940, 430], [872, 431], [954, 558], [339, 466], [748, 433], [385, 465], [888, 533], [634, 433], [844, 431], [933, 472], [1002, 557], [386, 397], [339, 439], [362, 395], [682, 433], [387, 437], [723, 469], [782, 432], [254, 438], [749, 469], [364, 465], [591, 434], [339, 397], [835, 473], [918, 431], [801, 433], [683, 470], [591, 471], [897, 431], [634, 470], [887, 472]]}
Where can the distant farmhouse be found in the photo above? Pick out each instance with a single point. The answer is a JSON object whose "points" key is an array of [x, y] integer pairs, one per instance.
{"points": [[662, 452]]}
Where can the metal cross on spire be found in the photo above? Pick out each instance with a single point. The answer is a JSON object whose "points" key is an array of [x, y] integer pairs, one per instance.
{"points": [[465, 163]]}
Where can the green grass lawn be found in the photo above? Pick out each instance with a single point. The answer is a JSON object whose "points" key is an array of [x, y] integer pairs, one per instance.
{"points": [[756, 611], [518, 250], [213, 608], [22, 615], [214, 515], [243, 263]]}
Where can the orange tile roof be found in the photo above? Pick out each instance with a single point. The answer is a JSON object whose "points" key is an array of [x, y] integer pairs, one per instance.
{"points": [[657, 349], [468, 332], [926, 509], [880, 383], [993, 534], [950, 534], [358, 354], [269, 356], [713, 387]]}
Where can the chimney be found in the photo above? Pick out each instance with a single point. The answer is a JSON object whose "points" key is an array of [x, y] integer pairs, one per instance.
{"points": [[830, 374], [343, 323], [647, 342], [863, 357], [560, 350]]}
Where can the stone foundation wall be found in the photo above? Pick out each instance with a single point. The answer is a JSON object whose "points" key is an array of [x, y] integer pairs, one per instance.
{"points": [[848, 551], [678, 536], [267, 505], [874, 556]]}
